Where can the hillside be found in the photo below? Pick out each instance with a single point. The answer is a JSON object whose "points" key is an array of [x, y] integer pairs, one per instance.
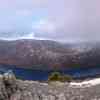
{"points": [[49, 54]]}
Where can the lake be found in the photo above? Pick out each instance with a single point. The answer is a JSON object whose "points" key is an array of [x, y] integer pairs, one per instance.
{"points": [[30, 74]]}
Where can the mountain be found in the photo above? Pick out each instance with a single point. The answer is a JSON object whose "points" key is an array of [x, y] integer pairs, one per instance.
{"points": [[46, 54]]}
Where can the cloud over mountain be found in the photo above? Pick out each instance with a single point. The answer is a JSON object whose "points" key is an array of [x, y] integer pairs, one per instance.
{"points": [[74, 20]]}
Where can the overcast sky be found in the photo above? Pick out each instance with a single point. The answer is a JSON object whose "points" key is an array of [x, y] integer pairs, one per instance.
{"points": [[66, 20]]}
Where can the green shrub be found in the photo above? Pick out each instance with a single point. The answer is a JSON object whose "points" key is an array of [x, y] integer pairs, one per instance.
{"points": [[56, 76]]}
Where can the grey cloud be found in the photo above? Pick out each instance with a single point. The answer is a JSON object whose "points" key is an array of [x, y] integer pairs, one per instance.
{"points": [[71, 20]]}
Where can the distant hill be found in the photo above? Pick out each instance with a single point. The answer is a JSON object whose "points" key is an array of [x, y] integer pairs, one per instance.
{"points": [[46, 54]]}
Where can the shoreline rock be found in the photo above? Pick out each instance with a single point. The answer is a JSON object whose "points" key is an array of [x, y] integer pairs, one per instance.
{"points": [[14, 89]]}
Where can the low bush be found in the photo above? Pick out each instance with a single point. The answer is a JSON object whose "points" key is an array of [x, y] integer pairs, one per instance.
{"points": [[57, 76]]}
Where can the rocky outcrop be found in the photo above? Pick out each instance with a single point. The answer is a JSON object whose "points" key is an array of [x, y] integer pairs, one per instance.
{"points": [[14, 89]]}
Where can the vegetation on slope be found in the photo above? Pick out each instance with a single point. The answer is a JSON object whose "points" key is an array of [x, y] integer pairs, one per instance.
{"points": [[57, 76]]}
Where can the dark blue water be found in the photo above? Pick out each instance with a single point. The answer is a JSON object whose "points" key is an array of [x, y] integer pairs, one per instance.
{"points": [[30, 74]]}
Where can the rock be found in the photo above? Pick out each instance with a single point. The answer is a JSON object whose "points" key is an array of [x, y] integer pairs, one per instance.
{"points": [[61, 96], [3, 92], [16, 96], [9, 77], [26, 95], [14, 89]]}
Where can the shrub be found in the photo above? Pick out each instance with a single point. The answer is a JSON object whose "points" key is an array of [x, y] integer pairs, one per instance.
{"points": [[56, 76]]}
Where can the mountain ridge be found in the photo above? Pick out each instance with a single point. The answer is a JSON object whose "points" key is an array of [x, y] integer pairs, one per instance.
{"points": [[49, 54]]}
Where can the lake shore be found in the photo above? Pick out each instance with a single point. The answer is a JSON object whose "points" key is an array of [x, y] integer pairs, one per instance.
{"points": [[15, 89]]}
